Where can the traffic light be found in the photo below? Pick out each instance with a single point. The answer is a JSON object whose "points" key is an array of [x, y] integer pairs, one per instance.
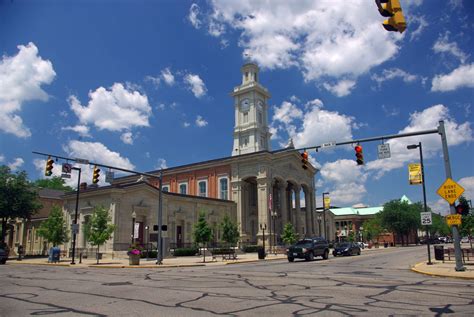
{"points": [[304, 160], [359, 155], [462, 209], [392, 10], [96, 175], [48, 171]]}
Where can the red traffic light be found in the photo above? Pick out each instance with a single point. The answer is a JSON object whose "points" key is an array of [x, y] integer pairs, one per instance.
{"points": [[359, 155], [304, 159], [462, 210]]}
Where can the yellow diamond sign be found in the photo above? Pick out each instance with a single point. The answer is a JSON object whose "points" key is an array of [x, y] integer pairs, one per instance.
{"points": [[450, 191]]}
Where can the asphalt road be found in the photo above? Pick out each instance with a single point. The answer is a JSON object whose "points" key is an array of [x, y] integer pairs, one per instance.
{"points": [[377, 283]]}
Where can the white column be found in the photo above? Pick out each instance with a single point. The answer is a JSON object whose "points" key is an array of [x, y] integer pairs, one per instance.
{"points": [[297, 210], [307, 200]]}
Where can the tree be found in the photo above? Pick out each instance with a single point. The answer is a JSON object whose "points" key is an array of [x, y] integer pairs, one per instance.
{"points": [[55, 182], [439, 226], [401, 218], [18, 199], [373, 228], [230, 231], [99, 228], [54, 229], [289, 236], [202, 231], [466, 229]]}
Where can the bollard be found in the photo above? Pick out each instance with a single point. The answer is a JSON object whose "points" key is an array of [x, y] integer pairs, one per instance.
{"points": [[80, 258]]}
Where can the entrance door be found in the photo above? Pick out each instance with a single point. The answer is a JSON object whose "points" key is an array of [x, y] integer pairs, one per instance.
{"points": [[179, 237]]}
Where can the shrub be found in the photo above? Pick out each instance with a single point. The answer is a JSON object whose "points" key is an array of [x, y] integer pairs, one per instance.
{"points": [[219, 251], [250, 248], [151, 254], [185, 252]]}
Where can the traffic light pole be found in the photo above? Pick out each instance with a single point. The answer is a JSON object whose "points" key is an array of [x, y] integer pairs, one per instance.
{"points": [[159, 253], [442, 132], [424, 202], [74, 234]]}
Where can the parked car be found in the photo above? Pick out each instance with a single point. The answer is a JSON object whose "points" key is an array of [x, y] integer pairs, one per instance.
{"points": [[4, 251], [362, 245], [346, 248], [465, 240], [308, 248]]}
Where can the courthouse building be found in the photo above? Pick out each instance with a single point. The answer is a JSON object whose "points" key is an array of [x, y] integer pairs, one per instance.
{"points": [[258, 188]]}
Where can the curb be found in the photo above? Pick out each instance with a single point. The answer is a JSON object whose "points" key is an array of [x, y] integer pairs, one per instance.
{"points": [[30, 263], [416, 270], [142, 266]]}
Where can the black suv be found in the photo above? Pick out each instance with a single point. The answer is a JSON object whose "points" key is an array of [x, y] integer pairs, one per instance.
{"points": [[308, 248]]}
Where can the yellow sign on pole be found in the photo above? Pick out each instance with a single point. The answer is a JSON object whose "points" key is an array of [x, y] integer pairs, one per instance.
{"points": [[453, 220], [414, 173], [450, 191], [327, 202]]}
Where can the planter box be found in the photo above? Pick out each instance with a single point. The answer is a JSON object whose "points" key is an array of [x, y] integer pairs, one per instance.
{"points": [[134, 259]]}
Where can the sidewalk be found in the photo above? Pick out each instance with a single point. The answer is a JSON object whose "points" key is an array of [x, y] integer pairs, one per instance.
{"points": [[446, 269], [183, 261]]}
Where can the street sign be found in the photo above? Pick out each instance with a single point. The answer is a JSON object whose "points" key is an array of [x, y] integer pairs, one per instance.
{"points": [[453, 220], [328, 145], [414, 173], [383, 151], [65, 175], [75, 228], [109, 176], [81, 161], [136, 231], [66, 168], [426, 218], [450, 191], [327, 202]]}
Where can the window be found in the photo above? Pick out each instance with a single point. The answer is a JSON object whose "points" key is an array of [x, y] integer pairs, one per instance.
{"points": [[166, 188], [223, 188], [245, 117], [260, 117], [183, 188], [202, 185]]}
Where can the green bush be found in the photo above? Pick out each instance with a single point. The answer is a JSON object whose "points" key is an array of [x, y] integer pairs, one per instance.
{"points": [[151, 254], [185, 252], [222, 251], [250, 248]]}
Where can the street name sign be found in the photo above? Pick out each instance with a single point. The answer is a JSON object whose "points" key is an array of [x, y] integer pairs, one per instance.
{"points": [[453, 220], [426, 218], [414, 173], [450, 191], [328, 145], [383, 151], [109, 176], [81, 161]]}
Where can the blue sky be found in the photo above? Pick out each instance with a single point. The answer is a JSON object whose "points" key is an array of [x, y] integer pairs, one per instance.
{"points": [[146, 84]]}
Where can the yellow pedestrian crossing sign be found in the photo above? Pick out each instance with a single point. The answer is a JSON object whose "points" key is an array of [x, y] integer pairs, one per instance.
{"points": [[450, 191]]}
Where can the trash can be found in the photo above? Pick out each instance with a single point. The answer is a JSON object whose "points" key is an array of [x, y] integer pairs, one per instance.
{"points": [[261, 253], [54, 254], [385, 244], [439, 252]]}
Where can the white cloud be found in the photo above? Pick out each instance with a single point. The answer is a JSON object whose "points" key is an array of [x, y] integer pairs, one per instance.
{"points": [[347, 181], [468, 184], [341, 88], [196, 85], [422, 24], [200, 122], [16, 164], [93, 151], [186, 124], [193, 16], [21, 78], [2, 158], [427, 119], [116, 109], [442, 45], [287, 113], [127, 138], [392, 73], [161, 163], [82, 130], [463, 76], [167, 76], [339, 41], [154, 80]]}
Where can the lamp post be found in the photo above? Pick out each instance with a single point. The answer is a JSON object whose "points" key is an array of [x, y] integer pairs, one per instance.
{"points": [[319, 223], [263, 227], [134, 215], [324, 213], [75, 228], [361, 237], [273, 216], [425, 207], [147, 237]]}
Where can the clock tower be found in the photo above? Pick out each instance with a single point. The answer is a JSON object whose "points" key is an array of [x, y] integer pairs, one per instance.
{"points": [[251, 133]]}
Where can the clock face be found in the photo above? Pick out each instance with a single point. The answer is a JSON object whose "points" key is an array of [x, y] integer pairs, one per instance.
{"points": [[260, 104], [245, 105]]}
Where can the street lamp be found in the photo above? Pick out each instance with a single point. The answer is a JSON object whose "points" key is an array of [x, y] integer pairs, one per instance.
{"points": [[273, 216], [319, 223], [147, 237], [361, 229], [412, 147], [134, 215], [324, 213], [263, 227]]}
